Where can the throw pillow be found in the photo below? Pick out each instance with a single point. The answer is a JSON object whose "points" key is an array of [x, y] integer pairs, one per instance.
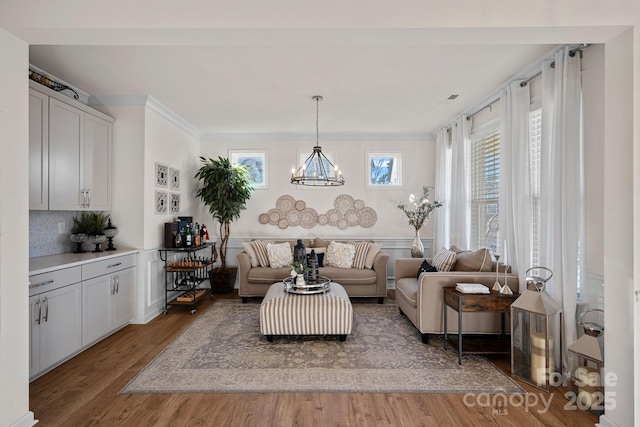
{"points": [[260, 248], [374, 248], [320, 243], [280, 255], [476, 261], [248, 248], [444, 260], [340, 255], [360, 256], [425, 267]]}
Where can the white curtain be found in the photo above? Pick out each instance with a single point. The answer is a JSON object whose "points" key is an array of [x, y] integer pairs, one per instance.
{"points": [[443, 189], [460, 167], [515, 180], [561, 186]]}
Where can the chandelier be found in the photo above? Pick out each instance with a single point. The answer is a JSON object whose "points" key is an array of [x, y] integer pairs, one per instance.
{"points": [[317, 169]]}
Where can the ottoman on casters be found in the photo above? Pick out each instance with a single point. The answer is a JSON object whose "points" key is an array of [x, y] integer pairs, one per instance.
{"points": [[326, 313]]}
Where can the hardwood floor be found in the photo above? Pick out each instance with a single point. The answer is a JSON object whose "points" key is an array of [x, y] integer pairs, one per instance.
{"points": [[84, 392]]}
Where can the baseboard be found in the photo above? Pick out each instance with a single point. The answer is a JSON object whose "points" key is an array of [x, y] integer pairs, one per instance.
{"points": [[27, 420]]}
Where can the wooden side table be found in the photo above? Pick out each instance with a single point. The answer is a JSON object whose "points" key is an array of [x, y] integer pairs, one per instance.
{"points": [[494, 302]]}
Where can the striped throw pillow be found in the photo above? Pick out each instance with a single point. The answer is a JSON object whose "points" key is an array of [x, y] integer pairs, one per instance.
{"points": [[260, 248], [444, 260], [359, 259]]}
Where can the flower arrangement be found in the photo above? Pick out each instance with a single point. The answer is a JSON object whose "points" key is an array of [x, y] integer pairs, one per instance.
{"points": [[419, 208], [298, 268]]}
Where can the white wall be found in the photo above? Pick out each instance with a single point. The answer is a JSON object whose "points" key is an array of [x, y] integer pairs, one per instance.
{"points": [[618, 227], [14, 251], [418, 167]]}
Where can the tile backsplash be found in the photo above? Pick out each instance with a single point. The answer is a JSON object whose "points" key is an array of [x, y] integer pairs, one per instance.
{"points": [[43, 232]]}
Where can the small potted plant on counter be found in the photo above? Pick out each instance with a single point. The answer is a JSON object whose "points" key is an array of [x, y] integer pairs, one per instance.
{"points": [[90, 224]]}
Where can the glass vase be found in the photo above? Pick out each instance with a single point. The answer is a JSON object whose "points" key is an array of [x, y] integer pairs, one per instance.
{"points": [[417, 248]]}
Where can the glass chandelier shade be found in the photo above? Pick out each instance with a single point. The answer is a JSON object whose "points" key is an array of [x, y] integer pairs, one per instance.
{"points": [[317, 169]]}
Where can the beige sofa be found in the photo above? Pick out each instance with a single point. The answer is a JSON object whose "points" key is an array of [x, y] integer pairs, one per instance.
{"points": [[422, 300], [254, 281]]}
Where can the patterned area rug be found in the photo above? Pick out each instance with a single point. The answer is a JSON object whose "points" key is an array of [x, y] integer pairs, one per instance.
{"points": [[223, 351]]}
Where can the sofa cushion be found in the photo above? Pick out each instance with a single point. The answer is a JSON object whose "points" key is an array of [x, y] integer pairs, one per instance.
{"points": [[280, 255], [425, 267], [248, 248], [339, 255], [350, 276], [268, 275], [444, 260], [374, 249], [260, 248], [476, 261], [320, 243]]}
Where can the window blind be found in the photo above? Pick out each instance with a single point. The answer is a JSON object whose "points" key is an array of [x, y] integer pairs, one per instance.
{"points": [[485, 183]]}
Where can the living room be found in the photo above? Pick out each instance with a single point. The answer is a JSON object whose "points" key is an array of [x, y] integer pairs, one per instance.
{"points": [[161, 137]]}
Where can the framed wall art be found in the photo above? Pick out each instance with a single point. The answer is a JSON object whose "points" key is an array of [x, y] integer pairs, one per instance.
{"points": [[162, 175], [174, 178], [257, 163], [384, 170], [161, 202], [174, 206]]}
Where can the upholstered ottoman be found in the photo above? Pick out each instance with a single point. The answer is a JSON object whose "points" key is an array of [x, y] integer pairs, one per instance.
{"points": [[282, 313]]}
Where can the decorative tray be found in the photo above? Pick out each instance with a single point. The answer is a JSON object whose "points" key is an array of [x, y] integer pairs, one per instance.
{"points": [[319, 286]]}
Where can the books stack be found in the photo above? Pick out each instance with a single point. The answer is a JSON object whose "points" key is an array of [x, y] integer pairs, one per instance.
{"points": [[472, 288]]}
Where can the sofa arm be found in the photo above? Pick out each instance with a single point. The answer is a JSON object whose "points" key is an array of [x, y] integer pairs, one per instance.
{"points": [[380, 267], [407, 267], [244, 265]]}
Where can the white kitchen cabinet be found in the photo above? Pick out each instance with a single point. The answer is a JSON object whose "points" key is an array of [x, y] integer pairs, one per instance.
{"points": [[38, 150], [79, 154], [107, 297], [56, 327]]}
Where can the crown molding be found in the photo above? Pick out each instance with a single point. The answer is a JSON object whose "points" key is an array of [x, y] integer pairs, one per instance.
{"points": [[310, 137], [151, 103]]}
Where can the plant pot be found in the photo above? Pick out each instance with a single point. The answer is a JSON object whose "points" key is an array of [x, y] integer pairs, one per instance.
{"points": [[223, 281]]}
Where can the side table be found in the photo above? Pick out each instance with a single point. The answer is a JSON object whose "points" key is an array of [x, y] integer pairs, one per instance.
{"points": [[493, 302]]}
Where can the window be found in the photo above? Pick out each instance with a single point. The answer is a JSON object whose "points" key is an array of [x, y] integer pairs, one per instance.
{"points": [[535, 143], [485, 184]]}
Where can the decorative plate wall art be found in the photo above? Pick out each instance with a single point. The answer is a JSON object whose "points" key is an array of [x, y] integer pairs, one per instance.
{"points": [[347, 212]]}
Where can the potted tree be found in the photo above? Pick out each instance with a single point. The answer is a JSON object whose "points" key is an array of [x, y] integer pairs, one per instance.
{"points": [[225, 190]]}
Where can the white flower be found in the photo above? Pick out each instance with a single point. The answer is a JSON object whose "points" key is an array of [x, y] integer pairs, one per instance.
{"points": [[293, 273]]}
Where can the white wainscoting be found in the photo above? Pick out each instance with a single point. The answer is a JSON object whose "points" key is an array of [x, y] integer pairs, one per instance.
{"points": [[151, 275]]}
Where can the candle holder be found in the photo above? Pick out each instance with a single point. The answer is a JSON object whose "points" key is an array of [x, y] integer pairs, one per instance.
{"points": [[496, 284], [110, 231]]}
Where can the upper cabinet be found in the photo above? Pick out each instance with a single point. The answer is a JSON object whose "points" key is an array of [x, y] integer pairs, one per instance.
{"points": [[38, 150], [79, 156]]}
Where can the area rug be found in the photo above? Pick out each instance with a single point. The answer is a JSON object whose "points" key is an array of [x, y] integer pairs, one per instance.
{"points": [[224, 352]]}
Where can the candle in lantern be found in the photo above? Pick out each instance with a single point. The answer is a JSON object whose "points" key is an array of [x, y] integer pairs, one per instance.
{"points": [[539, 368]]}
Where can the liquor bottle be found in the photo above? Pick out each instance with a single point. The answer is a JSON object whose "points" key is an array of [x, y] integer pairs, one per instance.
{"points": [[196, 235], [189, 236]]}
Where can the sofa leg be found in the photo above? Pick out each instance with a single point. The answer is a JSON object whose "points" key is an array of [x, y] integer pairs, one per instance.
{"points": [[381, 300], [402, 312], [343, 338], [244, 300], [425, 338]]}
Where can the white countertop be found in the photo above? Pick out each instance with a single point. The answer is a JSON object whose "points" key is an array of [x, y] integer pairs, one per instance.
{"points": [[45, 264]]}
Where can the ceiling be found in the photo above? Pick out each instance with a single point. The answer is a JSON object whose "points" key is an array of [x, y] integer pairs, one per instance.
{"points": [[242, 68], [267, 89]]}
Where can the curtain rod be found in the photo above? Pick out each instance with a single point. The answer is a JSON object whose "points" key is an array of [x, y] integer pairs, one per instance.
{"points": [[572, 53]]}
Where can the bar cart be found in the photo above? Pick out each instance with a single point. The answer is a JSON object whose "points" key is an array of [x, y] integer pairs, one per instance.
{"points": [[184, 269]]}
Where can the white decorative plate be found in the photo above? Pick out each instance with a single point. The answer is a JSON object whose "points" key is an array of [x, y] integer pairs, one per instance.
{"points": [[294, 217], [334, 216], [358, 204], [309, 218], [300, 205], [343, 203], [368, 217], [274, 216], [263, 218], [323, 219]]}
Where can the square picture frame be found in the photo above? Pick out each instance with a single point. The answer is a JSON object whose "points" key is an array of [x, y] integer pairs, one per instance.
{"points": [[384, 170], [162, 175], [174, 178], [257, 163], [174, 205], [161, 202]]}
